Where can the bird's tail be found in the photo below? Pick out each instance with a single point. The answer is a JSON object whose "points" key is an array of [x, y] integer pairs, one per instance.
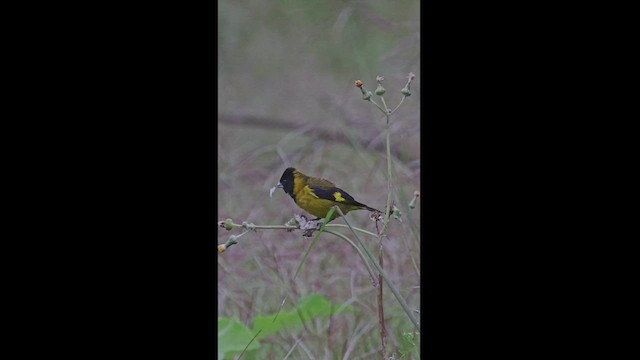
{"points": [[363, 207], [370, 208]]}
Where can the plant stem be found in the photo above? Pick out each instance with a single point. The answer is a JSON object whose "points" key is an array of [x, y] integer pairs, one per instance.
{"points": [[386, 108], [381, 109], [388, 212], [364, 259], [355, 228], [383, 330], [394, 110], [287, 227]]}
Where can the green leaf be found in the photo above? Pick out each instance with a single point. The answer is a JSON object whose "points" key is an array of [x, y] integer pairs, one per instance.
{"points": [[233, 336], [314, 305], [286, 320], [309, 307], [408, 343]]}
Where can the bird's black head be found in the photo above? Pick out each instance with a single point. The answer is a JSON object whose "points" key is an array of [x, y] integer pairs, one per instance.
{"points": [[287, 181]]}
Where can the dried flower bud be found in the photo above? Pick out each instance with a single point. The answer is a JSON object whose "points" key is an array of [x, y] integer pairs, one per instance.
{"points": [[379, 79], [416, 195], [227, 224], [222, 248], [396, 213], [376, 216], [406, 91], [366, 95]]}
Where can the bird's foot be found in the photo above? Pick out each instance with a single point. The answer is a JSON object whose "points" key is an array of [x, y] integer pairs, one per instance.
{"points": [[308, 226]]}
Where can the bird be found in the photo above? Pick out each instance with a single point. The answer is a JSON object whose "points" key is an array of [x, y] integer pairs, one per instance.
{"points": [[316, 196]]}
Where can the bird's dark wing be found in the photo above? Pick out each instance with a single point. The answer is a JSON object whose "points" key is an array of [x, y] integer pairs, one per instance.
{"points": [[334, 194], [320, 183]]}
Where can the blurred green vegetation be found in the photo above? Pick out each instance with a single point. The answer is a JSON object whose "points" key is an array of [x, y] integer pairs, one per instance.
{"points": [[286, 97], [234, 336]]}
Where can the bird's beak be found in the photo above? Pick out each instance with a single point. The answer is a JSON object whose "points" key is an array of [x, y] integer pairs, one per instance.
{"points": [[274, 189]]}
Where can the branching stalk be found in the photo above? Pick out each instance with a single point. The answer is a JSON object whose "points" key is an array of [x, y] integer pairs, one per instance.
{"points": [[395, 291]]}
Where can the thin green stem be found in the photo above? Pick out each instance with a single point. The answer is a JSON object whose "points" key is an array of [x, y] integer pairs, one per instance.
{"points": [[389, 177], [304, 258], [394, 110], [364, 259], [381, 109], [386, 108], [355, 228], [383, 329], [287, 227]]}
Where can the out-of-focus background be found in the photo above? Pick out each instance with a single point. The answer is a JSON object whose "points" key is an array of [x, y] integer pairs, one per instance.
{"points": [[286, 97]]}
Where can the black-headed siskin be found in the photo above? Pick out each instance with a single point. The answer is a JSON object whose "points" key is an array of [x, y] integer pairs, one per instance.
{"points": [[316, 196]]}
